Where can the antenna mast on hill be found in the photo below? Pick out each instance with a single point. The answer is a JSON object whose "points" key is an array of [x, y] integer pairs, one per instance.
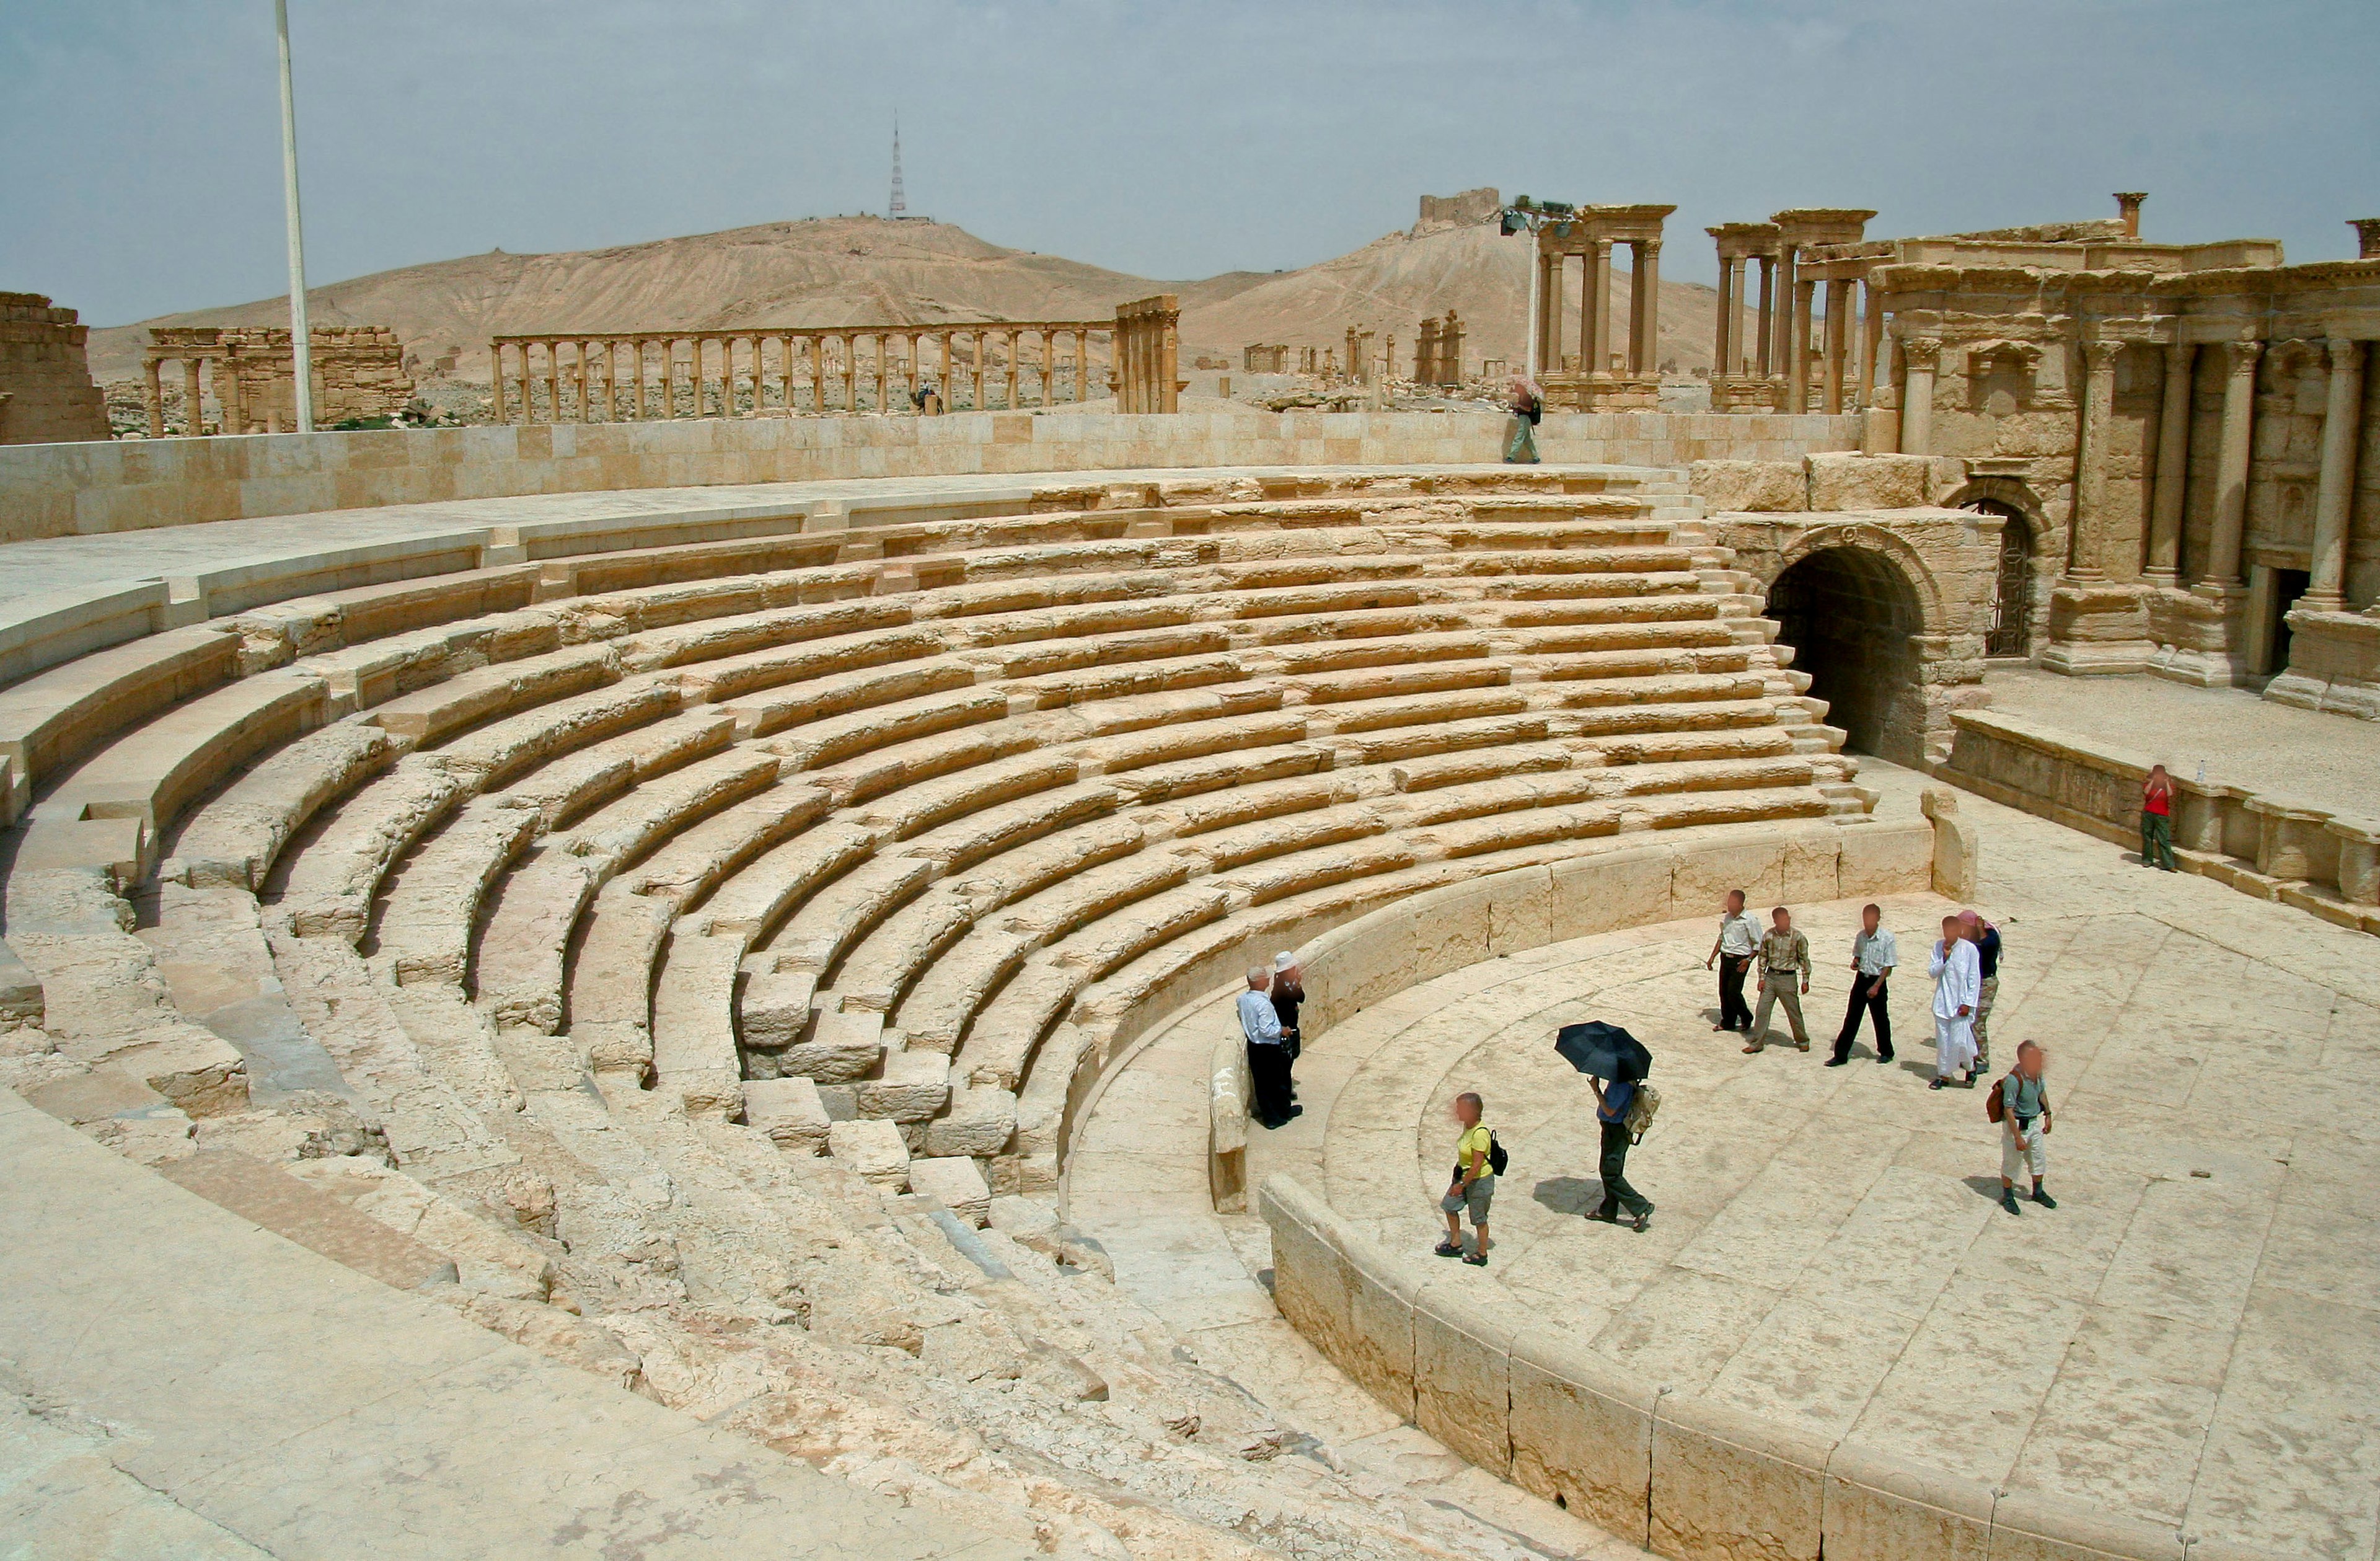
{"points": [[899, 207]]}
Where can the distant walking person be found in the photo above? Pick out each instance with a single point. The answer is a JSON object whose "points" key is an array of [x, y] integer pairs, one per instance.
{"points": [[1987, 939], [2156, 820], [1873, 954], [1268, 1057], [1612, 1104], [1474, 1188], [1521, 433], [1737, 942], [1956, 976], [1784, 962], [2025, 1123]]}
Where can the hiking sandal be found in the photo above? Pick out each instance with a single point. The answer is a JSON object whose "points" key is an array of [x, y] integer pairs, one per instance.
{"points": [[1447, 1250]]}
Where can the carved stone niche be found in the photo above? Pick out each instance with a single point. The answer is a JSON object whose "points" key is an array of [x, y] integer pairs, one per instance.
{"points": [[2001, 377]]}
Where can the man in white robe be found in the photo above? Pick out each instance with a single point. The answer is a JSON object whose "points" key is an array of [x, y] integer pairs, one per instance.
{"points": [[1958, 984]]}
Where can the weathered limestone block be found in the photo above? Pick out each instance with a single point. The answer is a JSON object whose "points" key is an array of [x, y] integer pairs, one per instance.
{"points": [[236, 838], [1463, 1371], [1958, 866], [154, 772], [426, 926], [487, 692], [1582, 1430], [495, 754], [874, 1149], [1341, 1292], [980, 1122], [486, 1259], [518, 974], [789, 1111], [1752, 861], [693, 1028], [1608, 890], [54, 717], [279, 1202], [1756, 486], [913, 1087], [956, 1182], [1728, 1484], [1881, 858], [1845, 481], [841, 1048], [1880, 1507]]}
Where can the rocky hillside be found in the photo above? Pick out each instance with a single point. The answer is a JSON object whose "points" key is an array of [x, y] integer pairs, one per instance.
{"points": [[833, 271]]}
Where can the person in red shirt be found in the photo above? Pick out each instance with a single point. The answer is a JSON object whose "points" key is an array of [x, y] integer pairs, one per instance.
{"points": [[2156, 820]]}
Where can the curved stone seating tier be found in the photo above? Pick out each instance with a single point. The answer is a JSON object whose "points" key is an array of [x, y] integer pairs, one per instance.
{"points": [[899, 825]]}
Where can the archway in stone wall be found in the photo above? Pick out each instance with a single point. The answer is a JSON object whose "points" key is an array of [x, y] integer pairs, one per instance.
{"points": [[1853, 618], [2009, 631]]}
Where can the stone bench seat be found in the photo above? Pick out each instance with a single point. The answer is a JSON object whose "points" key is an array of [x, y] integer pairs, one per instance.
{"points": [[1399, 648], [54, 718], [1067, 652], [237, 837], [1641, 663], [712, 640], [488, 693], [154, 772], [814, 937], [327, 888], [569, 786], [1631, 634], [1386, 681], [929, 804], [694, 1021], [753, 902], [338, 620], [425, 928], [496, 753], [371, 672], [735, 677], [842, 694]]}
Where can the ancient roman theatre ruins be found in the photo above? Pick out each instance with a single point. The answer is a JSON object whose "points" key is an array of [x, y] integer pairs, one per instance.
{"points": [[655, 979]]}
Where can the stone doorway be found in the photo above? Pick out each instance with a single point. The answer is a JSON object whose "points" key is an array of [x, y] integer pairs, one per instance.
{"points": [[1853, 620]]}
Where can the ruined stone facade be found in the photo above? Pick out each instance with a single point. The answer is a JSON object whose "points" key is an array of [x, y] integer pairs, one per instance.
{"points": [[248, 375], [1601, 377], [1438, 353], [46, 396], [1457, 211], [1147, 355]]}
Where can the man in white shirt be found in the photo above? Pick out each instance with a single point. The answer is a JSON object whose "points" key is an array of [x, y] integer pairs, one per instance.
{"points": [[1268, 1056], [1738, 940], [1874, 955], [1958, 981]]}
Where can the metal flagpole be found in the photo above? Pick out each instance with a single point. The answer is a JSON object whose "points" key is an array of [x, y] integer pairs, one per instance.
{"points": [[301, 340]]}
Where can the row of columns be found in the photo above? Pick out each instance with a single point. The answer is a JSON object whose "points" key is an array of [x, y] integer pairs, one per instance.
{"points": [[1594, 334], [228, 395], [1733, 275], [590, 378]]}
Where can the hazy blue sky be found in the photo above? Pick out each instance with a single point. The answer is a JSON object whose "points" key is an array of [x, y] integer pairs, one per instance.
{"points": [[142, 171]]}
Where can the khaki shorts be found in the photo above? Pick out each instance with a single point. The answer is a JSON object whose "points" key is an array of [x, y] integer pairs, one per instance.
{"points": [[1477, 1197]]}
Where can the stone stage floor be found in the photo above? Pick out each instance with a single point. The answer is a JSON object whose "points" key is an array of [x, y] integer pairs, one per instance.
{"points": [[2191, 1337]]}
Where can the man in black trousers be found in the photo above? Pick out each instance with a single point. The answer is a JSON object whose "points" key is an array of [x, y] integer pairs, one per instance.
{"points": [[1738, 939], [1873, 957]]}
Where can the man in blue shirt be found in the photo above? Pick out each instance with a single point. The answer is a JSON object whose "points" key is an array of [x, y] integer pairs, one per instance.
{"points": [[1612, 1104], [1267, 1054]]}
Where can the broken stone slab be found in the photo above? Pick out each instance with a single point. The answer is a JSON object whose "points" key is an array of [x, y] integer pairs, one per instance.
{"points": [[789, 1112], [981, 1120], [955, 1181], [842, 1047], [913, 1087], [313, 1219], [874, 1150]]}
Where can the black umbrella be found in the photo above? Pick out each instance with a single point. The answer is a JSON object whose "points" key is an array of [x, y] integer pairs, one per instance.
{"points": [[1604, 1050]]}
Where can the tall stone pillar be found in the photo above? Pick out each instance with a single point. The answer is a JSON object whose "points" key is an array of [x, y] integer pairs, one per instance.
{"points": [[1082, 365], [1549, 315], [2162, 566], [2222, 576], [1645, 307], [1765, 366], [1595, 302], [1797, 352], [2334, 490], [1920, 356], [527, 415], [194, 420], [586, 402], [152, 392], [1723, 339], [1788, 289], [2088, 540], [1838, 310]]}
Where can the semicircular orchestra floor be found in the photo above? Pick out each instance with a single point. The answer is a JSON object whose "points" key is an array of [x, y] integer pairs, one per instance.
{"points": [[2188, 1337]]}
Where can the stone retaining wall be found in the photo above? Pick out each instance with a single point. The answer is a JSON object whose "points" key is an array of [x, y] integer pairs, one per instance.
{"points": [[1681, 1474], [2270, 847], [60, 490]]}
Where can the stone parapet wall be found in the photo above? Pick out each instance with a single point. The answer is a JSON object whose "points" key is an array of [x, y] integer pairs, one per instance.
{"points": [[48, 490], [2266, 846]]}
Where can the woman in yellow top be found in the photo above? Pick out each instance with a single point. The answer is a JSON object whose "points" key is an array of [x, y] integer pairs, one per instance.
{"points": [[1474, 1186]]}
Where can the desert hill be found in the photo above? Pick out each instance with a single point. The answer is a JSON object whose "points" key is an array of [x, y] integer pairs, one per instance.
{"points": [[839, 271]]}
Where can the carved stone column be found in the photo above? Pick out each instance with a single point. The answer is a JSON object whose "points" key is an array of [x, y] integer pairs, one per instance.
{"points": [[193, 423], [2335, 492], [2163, 564], [2222, 576], [1871, 342], [1763, 359], [1782, 355], [521, 349], [1549, 313], [1595, 304], [1838, 307], [152, 394], [1645, 308], [1920, 356], [1797, 364], [1723, 342], [2087, 539]]}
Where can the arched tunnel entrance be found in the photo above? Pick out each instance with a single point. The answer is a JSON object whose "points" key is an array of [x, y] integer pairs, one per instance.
{"points": [[1854, 618]]}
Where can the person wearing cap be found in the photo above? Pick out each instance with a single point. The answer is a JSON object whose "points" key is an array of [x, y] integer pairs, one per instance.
{"points": [[1288, 991]]}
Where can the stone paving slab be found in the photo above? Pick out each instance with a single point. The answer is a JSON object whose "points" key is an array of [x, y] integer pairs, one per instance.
{"points": [[175, 1380], [2196, 1350]]}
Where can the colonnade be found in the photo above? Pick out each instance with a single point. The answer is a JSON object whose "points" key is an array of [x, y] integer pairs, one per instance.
{"points": [[634, 376], [1597, 382], [1797, 251]]}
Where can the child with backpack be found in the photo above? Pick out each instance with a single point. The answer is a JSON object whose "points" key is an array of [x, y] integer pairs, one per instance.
{"points": [[1478, 1160], [2020, 1103]]}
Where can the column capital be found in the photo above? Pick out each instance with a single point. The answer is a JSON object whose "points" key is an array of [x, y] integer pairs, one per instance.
{"points": [[2346, 353], [2100, 355], [1922, 353], [2240, 356]]}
